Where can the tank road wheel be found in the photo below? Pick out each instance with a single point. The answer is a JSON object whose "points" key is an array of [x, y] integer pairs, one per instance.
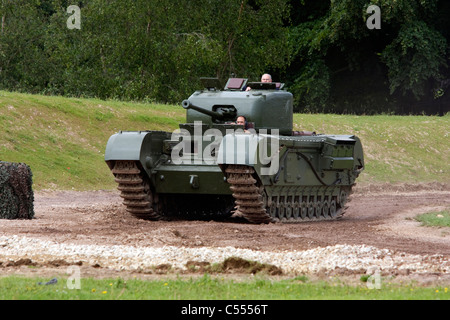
{"points": [[317, 209], [311, 210], [333, 211], [249, 198], [281, 211], [289, 211], [135, 190], [342, 198], [303, 210], [325, 209], [296, 211], [273, 210]]}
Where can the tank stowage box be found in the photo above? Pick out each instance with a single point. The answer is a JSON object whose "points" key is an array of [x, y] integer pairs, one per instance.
{"points": [[212, 168]]}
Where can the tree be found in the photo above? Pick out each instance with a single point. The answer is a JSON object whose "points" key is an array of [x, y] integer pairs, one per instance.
{"points": [[23, 60], [381, 68], [141, 49]]}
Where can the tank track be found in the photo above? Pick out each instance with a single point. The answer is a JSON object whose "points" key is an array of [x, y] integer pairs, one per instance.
{"points": [[249, 198], [286, 204], [135, 190]]}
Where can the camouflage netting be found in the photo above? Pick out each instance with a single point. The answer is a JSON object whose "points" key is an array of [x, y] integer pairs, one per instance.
{"points": [[16, 193]]}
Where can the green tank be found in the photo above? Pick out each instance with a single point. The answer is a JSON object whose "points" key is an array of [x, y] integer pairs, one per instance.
{"points": [[211, 168]]}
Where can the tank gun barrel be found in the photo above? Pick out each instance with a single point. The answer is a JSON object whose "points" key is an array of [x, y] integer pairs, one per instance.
{"points": [[221, 113]]}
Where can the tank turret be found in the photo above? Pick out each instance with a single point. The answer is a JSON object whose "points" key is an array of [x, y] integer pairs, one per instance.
{"points": [[266, 106]]}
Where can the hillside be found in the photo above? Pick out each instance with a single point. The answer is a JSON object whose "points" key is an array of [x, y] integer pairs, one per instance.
{"points": [[63, 139], [409, 149]]}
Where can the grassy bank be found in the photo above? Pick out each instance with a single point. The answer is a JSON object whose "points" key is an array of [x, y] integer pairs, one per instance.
{"points": [[410, 149], [63, 139]]}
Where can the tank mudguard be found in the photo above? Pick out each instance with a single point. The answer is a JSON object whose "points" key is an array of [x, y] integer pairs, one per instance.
{"points": [[125, 145], [143, 146]]}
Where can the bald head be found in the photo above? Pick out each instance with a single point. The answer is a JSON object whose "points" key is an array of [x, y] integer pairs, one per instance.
{"points": [[266, 78]]}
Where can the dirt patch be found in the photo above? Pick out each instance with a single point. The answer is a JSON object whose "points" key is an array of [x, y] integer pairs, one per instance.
{"points": [[234, 265], [405, 224]]}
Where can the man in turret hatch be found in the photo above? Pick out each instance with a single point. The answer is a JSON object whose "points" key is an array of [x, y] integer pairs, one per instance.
{"points": [[241, 120], [264, 78]]}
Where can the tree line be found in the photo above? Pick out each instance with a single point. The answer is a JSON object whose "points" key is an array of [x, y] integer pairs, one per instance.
{"points": [[146, 50]]}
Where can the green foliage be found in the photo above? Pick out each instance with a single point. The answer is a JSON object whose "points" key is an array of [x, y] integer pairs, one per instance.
{"points": [[335, 56], [312, 87], [139, 50], [415, 56]]}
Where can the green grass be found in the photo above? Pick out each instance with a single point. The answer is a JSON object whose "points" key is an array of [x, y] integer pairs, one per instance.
{"points": [[63, 139], [210, 288], [408, 149], [435, 219]]}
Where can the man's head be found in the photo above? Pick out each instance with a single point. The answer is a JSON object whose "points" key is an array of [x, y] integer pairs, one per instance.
{"points": [[241, 121], [266, 78]]}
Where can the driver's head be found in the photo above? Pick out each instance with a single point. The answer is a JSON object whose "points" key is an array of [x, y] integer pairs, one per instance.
{"points": [[266, 78], [240, 120]]}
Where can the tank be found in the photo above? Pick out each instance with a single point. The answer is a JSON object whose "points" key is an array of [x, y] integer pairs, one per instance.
{"points": [[212, 168]]}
